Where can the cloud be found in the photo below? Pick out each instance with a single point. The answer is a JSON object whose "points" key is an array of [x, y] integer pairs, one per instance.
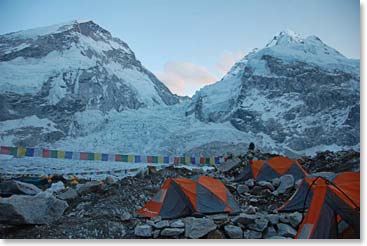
{"points": [[184, 78], [227, 60]]}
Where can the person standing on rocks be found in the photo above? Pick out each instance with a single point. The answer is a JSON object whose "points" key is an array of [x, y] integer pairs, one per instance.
{"points": [[251, 151]]}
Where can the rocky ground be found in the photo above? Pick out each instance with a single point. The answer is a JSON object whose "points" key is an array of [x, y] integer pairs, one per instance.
{"points": [[106, 209]]}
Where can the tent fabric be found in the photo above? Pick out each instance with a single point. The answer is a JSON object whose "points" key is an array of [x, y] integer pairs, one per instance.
{"points": [[272, 168], [332, 203], [180, 197]]}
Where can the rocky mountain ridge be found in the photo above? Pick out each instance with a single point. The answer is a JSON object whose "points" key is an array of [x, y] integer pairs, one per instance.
{"points": [[75, 87], [54, 72]]}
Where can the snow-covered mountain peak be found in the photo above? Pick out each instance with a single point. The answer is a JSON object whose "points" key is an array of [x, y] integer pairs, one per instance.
{"points": [[285, 37], [42, 31], [72, 67], [296, 92]]}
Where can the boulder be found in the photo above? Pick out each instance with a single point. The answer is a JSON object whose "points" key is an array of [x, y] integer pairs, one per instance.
{"points": [[125, 216], [250, 210], [143, 231], [259, 225], [266, 184], [286, 230], [273, 218], [177, 224], [277, 237], [161, 224], [245, 219], [295, 219], [257, 190], [233, 232], [230, 164], [253, 200], [270, 232], [286, 183], [14, 187], [284, 218], [142, 172], [275, 182], [156, 233], [56, 187], [242, 189], [42, 208], [198, 227], [250, 183], [91, 186], [218, 218], [157, 219], [250, 234], [172, 232], [216, 234], [68, 194], [110, 180]]}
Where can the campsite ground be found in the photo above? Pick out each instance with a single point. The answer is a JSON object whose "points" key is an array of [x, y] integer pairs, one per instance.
{"points": [[107, 209]]}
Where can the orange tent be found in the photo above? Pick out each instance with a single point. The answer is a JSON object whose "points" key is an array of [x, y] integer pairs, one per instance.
{"points": [[272, 168], [181, 197], [333, 206]]}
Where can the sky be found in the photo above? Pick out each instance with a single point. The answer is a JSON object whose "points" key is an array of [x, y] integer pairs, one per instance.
{"points": [[191, 43]]}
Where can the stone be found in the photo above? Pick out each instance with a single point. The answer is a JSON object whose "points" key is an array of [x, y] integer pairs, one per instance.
{"points": [[270, 232], [91, 186], [142, 172], [150, 222], [42, 208], [161, 224], [250, 183], [116, 229], [259, 225], [275, 182], [245, 219], [198, 227], [295, 219], [284, 218], [14, 187], [257, 190], [125, 216], [156, 233], [56, 187], [253, 200], [218, 218], [277, 237], [68, 194], [230, 164], [143, 231], [177, 224], [233, 232], [250, 210], [216, 234], [242, 189], [266, 184], [250, 234], [110, 180], [172, 232], [157, 219], [286, 230], [273, 218], [286, 183]]}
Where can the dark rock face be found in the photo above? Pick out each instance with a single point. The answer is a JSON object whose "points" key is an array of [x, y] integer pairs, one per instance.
{"points": [[299, 100], [76, 88]]}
